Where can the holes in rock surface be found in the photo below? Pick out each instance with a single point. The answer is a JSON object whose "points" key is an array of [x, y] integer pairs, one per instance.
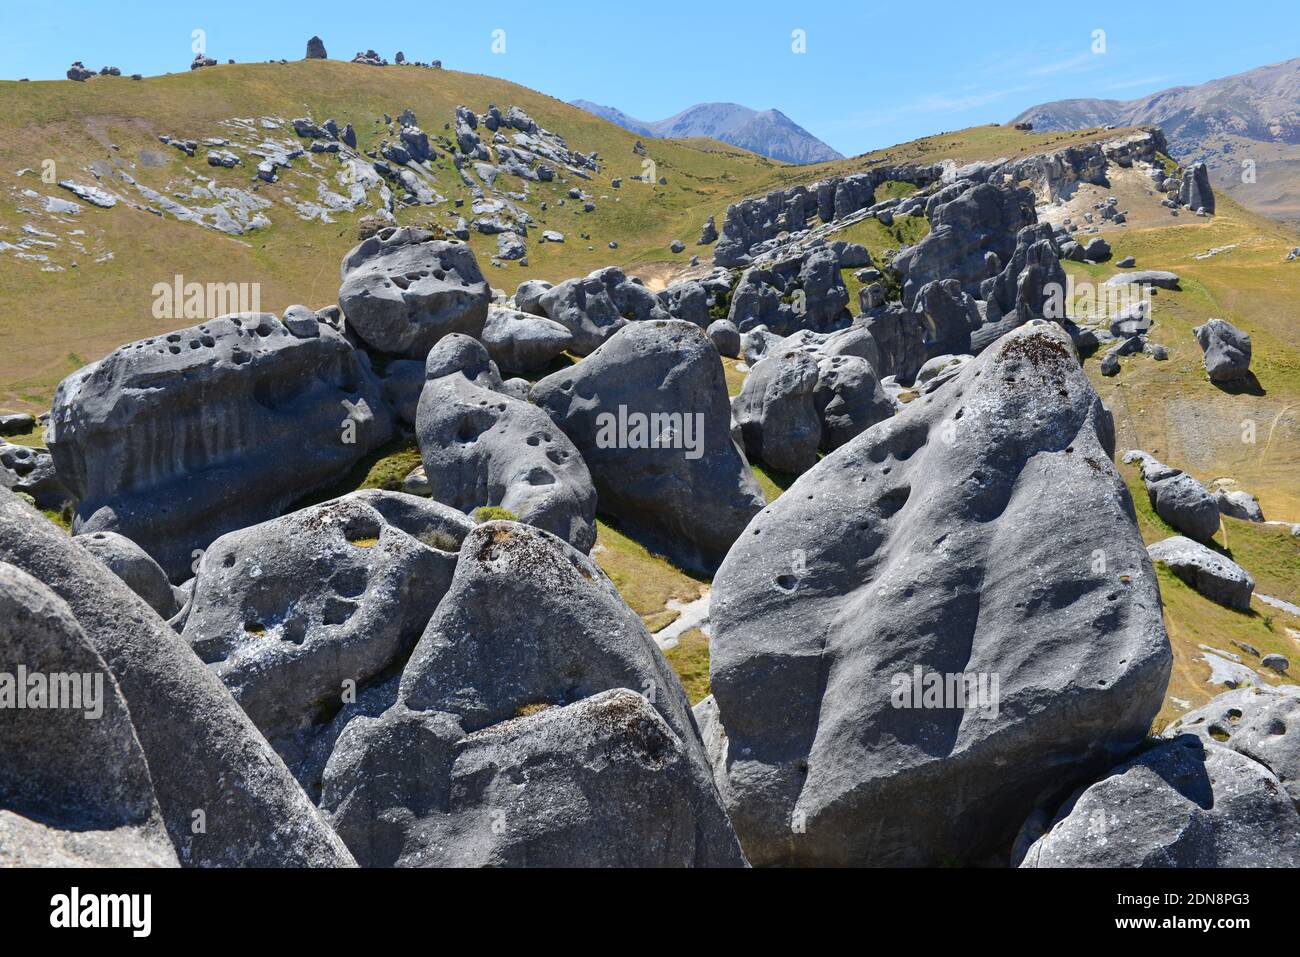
{"points": [[349, 583], [470, 428], [362, 531], [558, 456], [1234, 714], [228, 561], [337, 611], [893, 500], [1277, 727], [539, 476], [786, 583], [908, 442], [254, 628], [439, 275], [1219, 733]]}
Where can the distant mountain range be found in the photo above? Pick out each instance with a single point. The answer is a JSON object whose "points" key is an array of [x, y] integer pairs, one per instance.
{"points": [[1250, 116], [769, 133]]}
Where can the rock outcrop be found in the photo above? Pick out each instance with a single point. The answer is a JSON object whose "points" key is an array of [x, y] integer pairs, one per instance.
{"points": [[595, 307], [1194, 190], [648, 410], [1180, 804], [1262, 722], [74, 783], [918, 560], [1180, 500], [403, 290], [298, 613], [1215, 576], [520, 342], [483, 447], [208, 763], [536, 723], [177, 439]]}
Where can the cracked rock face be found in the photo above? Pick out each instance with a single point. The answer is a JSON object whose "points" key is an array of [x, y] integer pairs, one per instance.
{"points": [[484, 447], [403, 290], [982, 534], [177, 439], [536, 722]]}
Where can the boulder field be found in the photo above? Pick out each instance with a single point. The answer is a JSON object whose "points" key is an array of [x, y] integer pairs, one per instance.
{"points": [[942, 643]]}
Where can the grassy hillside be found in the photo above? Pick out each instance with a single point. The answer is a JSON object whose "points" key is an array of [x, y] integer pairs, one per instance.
{"points": [[1170, 408], [57, 321]]}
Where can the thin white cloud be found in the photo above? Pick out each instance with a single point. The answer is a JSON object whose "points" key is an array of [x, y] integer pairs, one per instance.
{"points": [[1080, 63], [938, 103], [1156, 82]]}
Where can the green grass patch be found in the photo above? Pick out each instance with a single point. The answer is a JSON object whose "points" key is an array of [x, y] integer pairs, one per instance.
{"points": [[772, 482], [689, 658], [646, 581], [493, 513]]}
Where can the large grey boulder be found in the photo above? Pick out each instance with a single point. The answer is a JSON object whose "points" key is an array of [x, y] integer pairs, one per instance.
{"points": [[1183, 803], [225, 795], [131, 563], [1145, 277], [536, 723], [1215, 576], [980, 534], [528, 297], [521, 342], [649, 412], [481, 446], [180, 438], [777, 413], [74, 783], [725, 338], [688, 301], [1194, 190], [595, 307], [1262, 723], [1180, 500], [849, 399], [32, 471], [1226, 348], [295, 613], [16, 423], [403, 290], [1239, 504]]}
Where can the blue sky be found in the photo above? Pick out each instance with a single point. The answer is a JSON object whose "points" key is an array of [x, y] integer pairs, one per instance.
{"points": [[867, 79]]}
